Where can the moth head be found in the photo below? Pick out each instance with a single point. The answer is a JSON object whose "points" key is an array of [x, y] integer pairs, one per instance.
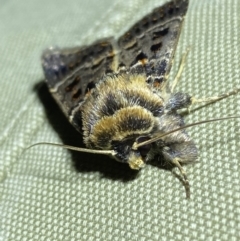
{"points": [[124, 152]]}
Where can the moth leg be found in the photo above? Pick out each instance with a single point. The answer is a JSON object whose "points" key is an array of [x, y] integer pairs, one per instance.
{"points": [[214, 98], [178, 101], [181, 153], [177, 162], [180, 70]]}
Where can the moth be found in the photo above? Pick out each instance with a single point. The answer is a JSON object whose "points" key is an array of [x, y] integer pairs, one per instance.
{"points": [[118, 91]]}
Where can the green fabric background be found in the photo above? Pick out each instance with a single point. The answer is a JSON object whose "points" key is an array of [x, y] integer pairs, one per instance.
{"points": [[54, 194]]}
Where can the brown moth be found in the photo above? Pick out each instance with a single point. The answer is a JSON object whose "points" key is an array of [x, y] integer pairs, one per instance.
{"points": [[118, 91]]}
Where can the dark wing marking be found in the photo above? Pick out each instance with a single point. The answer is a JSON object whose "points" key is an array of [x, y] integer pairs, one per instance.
{"points": [[71, 73], [149, 46]]}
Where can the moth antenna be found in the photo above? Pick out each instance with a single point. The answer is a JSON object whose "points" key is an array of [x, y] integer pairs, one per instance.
{"points": [[74, 148], [136, 145]]}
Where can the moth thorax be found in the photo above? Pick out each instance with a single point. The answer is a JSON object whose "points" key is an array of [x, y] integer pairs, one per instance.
{"points": [[120, 130]]}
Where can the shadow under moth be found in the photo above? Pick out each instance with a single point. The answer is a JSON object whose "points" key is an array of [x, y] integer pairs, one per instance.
{"points": [[117, 93]]}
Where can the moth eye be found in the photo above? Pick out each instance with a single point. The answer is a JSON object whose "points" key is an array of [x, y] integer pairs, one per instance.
{"points": [[146, 148]]}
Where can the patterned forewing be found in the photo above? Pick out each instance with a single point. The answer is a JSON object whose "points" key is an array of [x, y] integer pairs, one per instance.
{"points": [[72, 73], [149, 46]]}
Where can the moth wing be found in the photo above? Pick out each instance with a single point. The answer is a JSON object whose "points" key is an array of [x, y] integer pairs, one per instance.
{"points": [[149, 46], [72, 73]]}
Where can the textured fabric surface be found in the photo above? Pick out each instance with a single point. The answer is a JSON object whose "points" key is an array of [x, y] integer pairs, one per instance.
{"points": [[54, 194]]}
